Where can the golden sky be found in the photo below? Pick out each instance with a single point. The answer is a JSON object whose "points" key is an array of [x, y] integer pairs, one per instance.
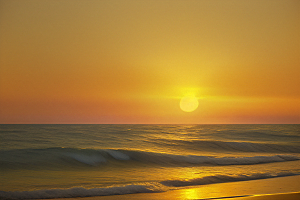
{"points": [[131, 61]]}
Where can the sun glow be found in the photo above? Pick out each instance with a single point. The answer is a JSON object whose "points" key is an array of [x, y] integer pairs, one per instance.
{"points": [[189, 103]]}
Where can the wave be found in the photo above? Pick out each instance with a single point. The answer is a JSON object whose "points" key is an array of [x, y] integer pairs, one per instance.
{"points": [[226, 146], [63, 157], [165, 159], [152, 187], [224, 179], [80, 192]]}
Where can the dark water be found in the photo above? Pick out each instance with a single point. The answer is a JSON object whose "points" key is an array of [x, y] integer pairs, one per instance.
{"points": [[52, 161]]}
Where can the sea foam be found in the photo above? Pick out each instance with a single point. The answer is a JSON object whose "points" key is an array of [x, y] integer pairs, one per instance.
{"points": [[223, 179], [75, 192], [146, 187]]}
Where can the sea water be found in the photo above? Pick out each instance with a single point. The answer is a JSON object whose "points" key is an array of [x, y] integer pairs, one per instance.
{"points": [[55, 161]]}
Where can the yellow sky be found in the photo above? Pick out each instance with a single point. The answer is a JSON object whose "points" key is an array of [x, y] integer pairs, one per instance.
{"points": [[115, 61]]}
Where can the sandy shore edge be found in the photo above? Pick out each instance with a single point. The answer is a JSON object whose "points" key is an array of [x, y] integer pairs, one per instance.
{"points": [[286, 196]]}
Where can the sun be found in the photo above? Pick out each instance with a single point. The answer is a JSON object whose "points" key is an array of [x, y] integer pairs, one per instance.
{"points": [[189, 103]]}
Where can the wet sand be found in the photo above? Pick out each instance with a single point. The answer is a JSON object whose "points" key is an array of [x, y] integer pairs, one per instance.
{"points": [[287, 196]]}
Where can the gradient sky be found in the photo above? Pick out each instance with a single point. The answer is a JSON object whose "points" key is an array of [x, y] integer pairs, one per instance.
{"points": [[131, 61]]}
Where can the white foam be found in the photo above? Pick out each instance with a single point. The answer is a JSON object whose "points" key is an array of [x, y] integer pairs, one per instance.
{"points": [[132, 189], [87, 159], [223, 179], [117, 155], [79, 192]]}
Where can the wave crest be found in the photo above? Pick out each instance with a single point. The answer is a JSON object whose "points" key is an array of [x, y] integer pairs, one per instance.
{"points": [[146, 187], [223, 179], [80, 192], [60, 157]]}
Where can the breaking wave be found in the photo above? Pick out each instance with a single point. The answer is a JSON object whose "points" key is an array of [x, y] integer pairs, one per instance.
{"points": [[61, 157], [132, 189], [79, 192], [223, 179]]}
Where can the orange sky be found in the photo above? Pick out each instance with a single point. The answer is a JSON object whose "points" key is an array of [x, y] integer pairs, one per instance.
{"points": [[116, 61]]}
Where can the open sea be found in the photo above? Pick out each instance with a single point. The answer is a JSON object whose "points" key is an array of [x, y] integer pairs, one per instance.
{"points": [[60, 161]]}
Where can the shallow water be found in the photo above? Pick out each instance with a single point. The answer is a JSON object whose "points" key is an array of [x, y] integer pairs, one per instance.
{"points": [[48, 161]]}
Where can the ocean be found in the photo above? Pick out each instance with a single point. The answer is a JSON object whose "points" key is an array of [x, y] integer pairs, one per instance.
{"points": [[61, 161]]}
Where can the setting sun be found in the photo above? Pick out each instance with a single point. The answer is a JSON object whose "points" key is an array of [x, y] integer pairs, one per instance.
{"points": [[189, 103]]}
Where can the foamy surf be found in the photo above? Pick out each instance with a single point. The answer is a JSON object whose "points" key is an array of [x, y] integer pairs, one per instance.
{"points": [[77, 192], [223, 179], [147, 187]]}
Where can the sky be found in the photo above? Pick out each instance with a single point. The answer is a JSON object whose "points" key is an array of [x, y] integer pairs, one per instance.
{"points": [[132, 61]]}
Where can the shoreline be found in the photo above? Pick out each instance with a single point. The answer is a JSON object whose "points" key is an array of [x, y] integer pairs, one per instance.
{"points": [[280, 196], [281, 188]]}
